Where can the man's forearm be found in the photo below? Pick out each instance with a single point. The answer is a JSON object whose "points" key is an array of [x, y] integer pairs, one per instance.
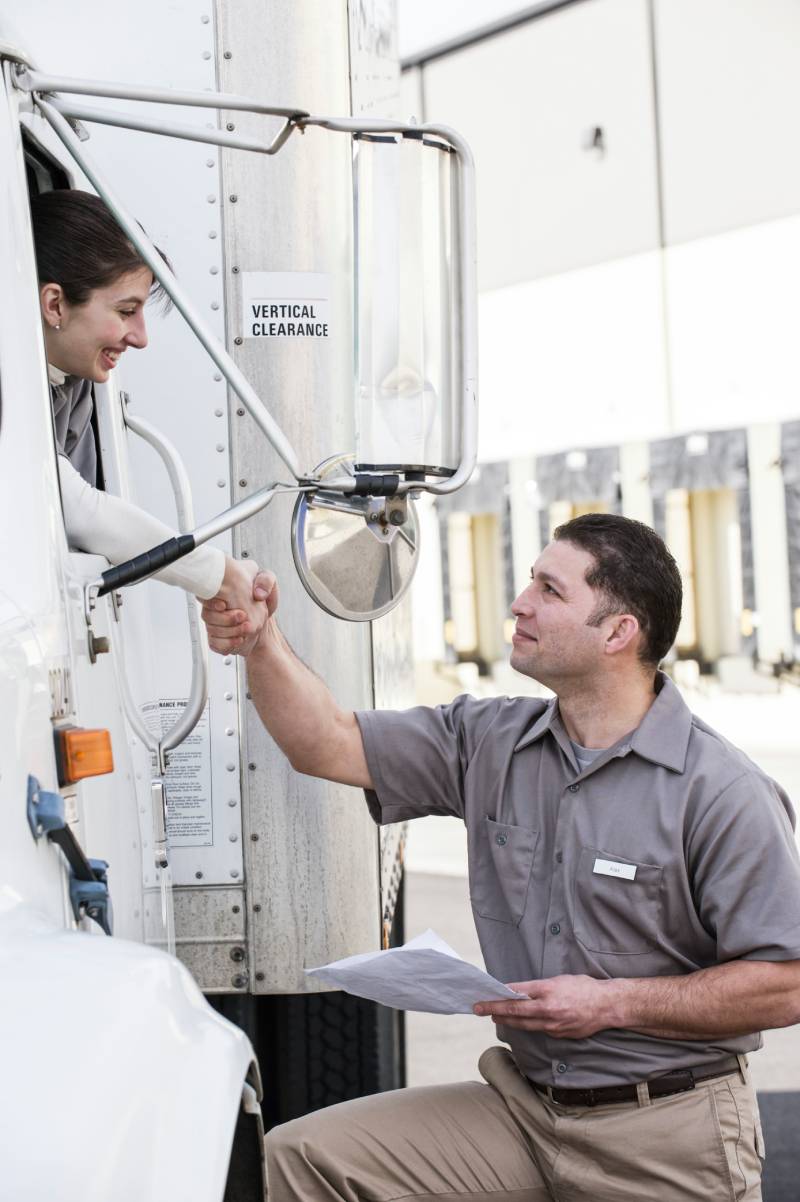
{"points": [[724, 1001], [713, 1003], [316, 736]]}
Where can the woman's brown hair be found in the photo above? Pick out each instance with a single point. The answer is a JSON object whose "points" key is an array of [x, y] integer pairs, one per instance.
{"points": [[80, 246]]}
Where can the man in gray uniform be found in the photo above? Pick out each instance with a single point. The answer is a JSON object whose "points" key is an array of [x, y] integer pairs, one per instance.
{"points": [[630, 871]]}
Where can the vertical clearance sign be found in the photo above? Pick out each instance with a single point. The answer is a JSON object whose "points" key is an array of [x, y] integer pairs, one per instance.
{"points": [[286, 304]]}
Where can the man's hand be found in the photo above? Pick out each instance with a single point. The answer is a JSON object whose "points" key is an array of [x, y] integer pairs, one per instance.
{"points": [[265, 588], [237, 615], [567, 1007]]}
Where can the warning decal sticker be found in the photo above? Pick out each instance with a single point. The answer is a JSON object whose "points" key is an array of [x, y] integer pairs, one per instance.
{"points": [[286, 304]]}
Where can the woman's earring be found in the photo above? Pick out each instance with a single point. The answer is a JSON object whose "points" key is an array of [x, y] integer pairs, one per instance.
{"points": [[58, 327]]}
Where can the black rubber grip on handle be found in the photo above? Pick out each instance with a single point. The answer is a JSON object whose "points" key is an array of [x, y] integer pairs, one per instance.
{"points": [[145, 564], [368, 485]]}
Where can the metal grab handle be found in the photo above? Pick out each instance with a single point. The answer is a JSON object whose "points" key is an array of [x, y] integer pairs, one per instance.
{"points": [[179, 479]]}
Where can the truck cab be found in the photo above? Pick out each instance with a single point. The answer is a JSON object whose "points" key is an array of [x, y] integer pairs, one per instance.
{"points": [[166, 878]]}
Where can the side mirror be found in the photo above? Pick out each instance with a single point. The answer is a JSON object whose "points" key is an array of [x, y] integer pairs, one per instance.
{"points": [[408, 317], [356, 556]]}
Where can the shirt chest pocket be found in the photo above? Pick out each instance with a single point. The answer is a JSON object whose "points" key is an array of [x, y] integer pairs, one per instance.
{"points": [[500, 870], [617, 903]]}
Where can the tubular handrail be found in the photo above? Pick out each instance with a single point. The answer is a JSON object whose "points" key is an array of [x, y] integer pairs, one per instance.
{"points": [[179, 479], [192, 133], [56, 112], [29, 79]]}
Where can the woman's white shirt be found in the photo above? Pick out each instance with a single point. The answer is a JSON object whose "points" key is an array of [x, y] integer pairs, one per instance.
{"points": [[103, 524]]}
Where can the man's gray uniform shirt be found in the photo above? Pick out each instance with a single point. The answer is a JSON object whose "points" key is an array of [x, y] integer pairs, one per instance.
{"points": [[670, 852]]}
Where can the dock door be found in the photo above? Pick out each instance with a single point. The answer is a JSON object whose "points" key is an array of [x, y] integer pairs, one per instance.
{"points": [[477, 575], [701, 505]]}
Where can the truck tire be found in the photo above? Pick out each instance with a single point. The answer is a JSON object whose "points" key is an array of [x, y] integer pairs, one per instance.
{"points": [[323, 1048]]}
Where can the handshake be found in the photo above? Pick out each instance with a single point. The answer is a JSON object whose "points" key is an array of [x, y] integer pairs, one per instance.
{"points": [[237, 616]]}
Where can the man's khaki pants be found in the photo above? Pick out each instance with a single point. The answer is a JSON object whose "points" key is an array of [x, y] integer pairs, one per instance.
{"points": [[505, 1140]]}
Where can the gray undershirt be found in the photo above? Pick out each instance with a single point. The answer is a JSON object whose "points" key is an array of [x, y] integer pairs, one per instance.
{"points": [[585, 755]]}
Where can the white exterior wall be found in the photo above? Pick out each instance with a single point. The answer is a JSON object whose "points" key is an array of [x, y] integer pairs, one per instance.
{"points": [[573, 360], [729, 94], [733, 301], [526, 101]]}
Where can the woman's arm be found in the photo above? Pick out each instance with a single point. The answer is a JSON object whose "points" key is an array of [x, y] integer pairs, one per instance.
{"points": [[103, 524]]}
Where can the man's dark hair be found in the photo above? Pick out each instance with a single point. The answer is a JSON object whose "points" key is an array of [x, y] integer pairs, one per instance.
{"points": [[634, 573], [80, 246]]}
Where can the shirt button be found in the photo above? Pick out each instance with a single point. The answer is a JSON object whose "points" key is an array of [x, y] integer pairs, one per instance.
{"points": [[501, 840], [559, 857], [555, 929], [561, 1068], [574, 788]]}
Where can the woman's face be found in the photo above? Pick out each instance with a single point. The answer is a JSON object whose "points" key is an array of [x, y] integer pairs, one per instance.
{"points": [[92, 336]]}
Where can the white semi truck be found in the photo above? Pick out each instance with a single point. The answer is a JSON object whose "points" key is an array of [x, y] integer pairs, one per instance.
{"points": [[165, 878]]}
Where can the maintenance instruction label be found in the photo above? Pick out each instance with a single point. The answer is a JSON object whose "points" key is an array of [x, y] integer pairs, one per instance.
{"points": [[188, 778], [286, 304]]}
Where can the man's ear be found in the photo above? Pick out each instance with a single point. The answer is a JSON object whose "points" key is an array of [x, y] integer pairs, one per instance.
{"points": [[51, 299], [623, 631]]}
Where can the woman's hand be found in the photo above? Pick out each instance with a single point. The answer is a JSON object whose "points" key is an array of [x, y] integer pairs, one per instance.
{"points": [[236, 617]]}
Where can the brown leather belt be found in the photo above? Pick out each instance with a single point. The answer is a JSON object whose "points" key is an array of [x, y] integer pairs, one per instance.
{"points": [[662, 1086]]}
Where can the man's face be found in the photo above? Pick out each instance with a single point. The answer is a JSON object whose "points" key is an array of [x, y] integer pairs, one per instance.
{"points": [[552, 642]]}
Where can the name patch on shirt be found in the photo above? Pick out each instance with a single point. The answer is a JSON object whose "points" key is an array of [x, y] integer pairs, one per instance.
{"points": [[613, 868]]}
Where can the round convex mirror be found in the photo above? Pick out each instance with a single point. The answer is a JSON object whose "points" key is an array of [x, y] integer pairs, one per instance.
{"points": [[354, 565]]}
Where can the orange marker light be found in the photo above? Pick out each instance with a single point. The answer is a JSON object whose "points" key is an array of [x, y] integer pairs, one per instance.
{"points": [[82, 753]]}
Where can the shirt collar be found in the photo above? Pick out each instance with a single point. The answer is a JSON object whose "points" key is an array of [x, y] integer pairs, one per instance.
{"points": [[55, 375], [663, 733], [541, 726], [662, 736]]}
